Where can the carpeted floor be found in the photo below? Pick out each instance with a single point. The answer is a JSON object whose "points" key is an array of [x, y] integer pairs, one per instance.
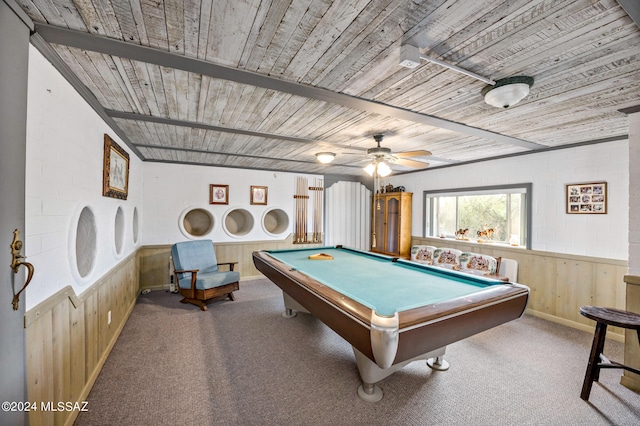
{"points": [[242, 363]]}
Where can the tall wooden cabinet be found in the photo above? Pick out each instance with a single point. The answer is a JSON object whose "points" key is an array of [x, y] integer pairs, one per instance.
{"points": [[391, 224]]}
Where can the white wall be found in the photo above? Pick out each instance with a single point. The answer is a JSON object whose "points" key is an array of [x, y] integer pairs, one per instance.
{"points": [[170, 190], [64, 174], [552, 229]]}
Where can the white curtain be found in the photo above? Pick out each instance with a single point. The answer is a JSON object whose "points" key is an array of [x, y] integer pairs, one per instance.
{"points": [[348, 215]]}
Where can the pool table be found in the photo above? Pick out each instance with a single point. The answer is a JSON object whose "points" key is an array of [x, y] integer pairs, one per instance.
{"points": [[391, 311]]}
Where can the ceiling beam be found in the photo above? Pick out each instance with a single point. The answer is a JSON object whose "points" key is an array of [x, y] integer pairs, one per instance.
{"points": [[632, 7], [232, 154], [519, 154], [195, 125], [96, 43], [52, 56], [630, 110], [192, 124]]}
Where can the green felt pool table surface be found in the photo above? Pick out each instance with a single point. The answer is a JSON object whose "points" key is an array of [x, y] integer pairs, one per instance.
{"points": [[379, 283]]}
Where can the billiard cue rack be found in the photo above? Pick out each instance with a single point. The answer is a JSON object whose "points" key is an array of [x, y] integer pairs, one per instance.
{"points": [[302, 213]]}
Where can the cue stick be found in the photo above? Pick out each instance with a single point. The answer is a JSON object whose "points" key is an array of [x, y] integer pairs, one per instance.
{"points": [[315, 209], [314, 213], [305, 204], [320, 207], [298, 214], [316, 219]]}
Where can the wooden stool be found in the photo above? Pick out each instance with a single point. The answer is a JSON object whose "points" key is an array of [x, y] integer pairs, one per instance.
{"points": [[604, 317]]}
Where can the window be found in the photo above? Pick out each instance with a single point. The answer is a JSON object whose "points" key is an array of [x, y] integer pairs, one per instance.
{"points": [[505, 209]]}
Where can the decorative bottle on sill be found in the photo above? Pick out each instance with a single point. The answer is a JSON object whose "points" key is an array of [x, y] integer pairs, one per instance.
{"points": [[514, 240]]}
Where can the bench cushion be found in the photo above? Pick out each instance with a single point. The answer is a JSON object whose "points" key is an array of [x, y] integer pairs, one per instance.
{"points": [[446, 256], [479, 262], [423, 254]]}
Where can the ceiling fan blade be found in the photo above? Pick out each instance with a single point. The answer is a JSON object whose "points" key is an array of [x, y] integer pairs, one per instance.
{"points": [[407, 154], [411, 163]]}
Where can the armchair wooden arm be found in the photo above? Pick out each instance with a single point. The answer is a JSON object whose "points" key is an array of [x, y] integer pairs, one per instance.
{"points": [[230, 264], [194, 274]]}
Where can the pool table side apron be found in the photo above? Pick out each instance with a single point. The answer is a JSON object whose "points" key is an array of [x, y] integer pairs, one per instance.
{"points": [[447, 330]]}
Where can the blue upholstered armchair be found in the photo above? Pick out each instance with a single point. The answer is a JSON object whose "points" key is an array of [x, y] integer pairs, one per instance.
{"points": [[196, 272]]}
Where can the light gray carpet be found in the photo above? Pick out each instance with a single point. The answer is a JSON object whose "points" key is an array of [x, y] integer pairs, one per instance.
{"points": [[242, 363]]}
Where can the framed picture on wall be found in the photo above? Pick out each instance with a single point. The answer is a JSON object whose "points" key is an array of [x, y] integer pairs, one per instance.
{"points": [[115, 170], [218, 194], [259, 195], [586, 198]]}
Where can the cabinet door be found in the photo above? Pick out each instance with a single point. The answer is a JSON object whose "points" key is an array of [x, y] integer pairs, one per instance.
{"points": [[393, 225], [377, 239]]}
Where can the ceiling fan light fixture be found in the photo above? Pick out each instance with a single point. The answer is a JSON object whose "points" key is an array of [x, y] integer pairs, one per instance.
{"points": [[325, 157], [507, 91], [383, 169], [370, 169], [378, 168]]}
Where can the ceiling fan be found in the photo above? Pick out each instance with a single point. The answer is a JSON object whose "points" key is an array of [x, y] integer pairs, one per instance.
{"points": [[382, 155]]}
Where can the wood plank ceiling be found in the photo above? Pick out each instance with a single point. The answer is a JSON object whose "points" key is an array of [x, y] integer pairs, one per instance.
{"points": [[265, 84]]}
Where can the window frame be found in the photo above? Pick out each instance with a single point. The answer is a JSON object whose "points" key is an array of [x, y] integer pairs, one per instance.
{"points": [[427, 211]]}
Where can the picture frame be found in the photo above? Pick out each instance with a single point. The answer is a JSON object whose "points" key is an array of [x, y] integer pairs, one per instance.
{"points": [[115, 170], [259, 195], [587, 198], [218, 194]]}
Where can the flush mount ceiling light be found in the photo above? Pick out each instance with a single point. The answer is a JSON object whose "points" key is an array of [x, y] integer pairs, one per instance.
{"points": [[325, 157], [507, 91]]}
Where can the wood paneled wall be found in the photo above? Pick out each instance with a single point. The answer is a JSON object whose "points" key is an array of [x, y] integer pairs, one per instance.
{"points": [[559, 283], [155, 260], [69, 337]]}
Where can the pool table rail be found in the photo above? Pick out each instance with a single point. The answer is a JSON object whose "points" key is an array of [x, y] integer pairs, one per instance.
{"points": [[482, 298]]}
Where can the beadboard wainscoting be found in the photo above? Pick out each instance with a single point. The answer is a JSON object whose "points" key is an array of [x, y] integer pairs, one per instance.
{"points": [[69, 337], [560, 283]]}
